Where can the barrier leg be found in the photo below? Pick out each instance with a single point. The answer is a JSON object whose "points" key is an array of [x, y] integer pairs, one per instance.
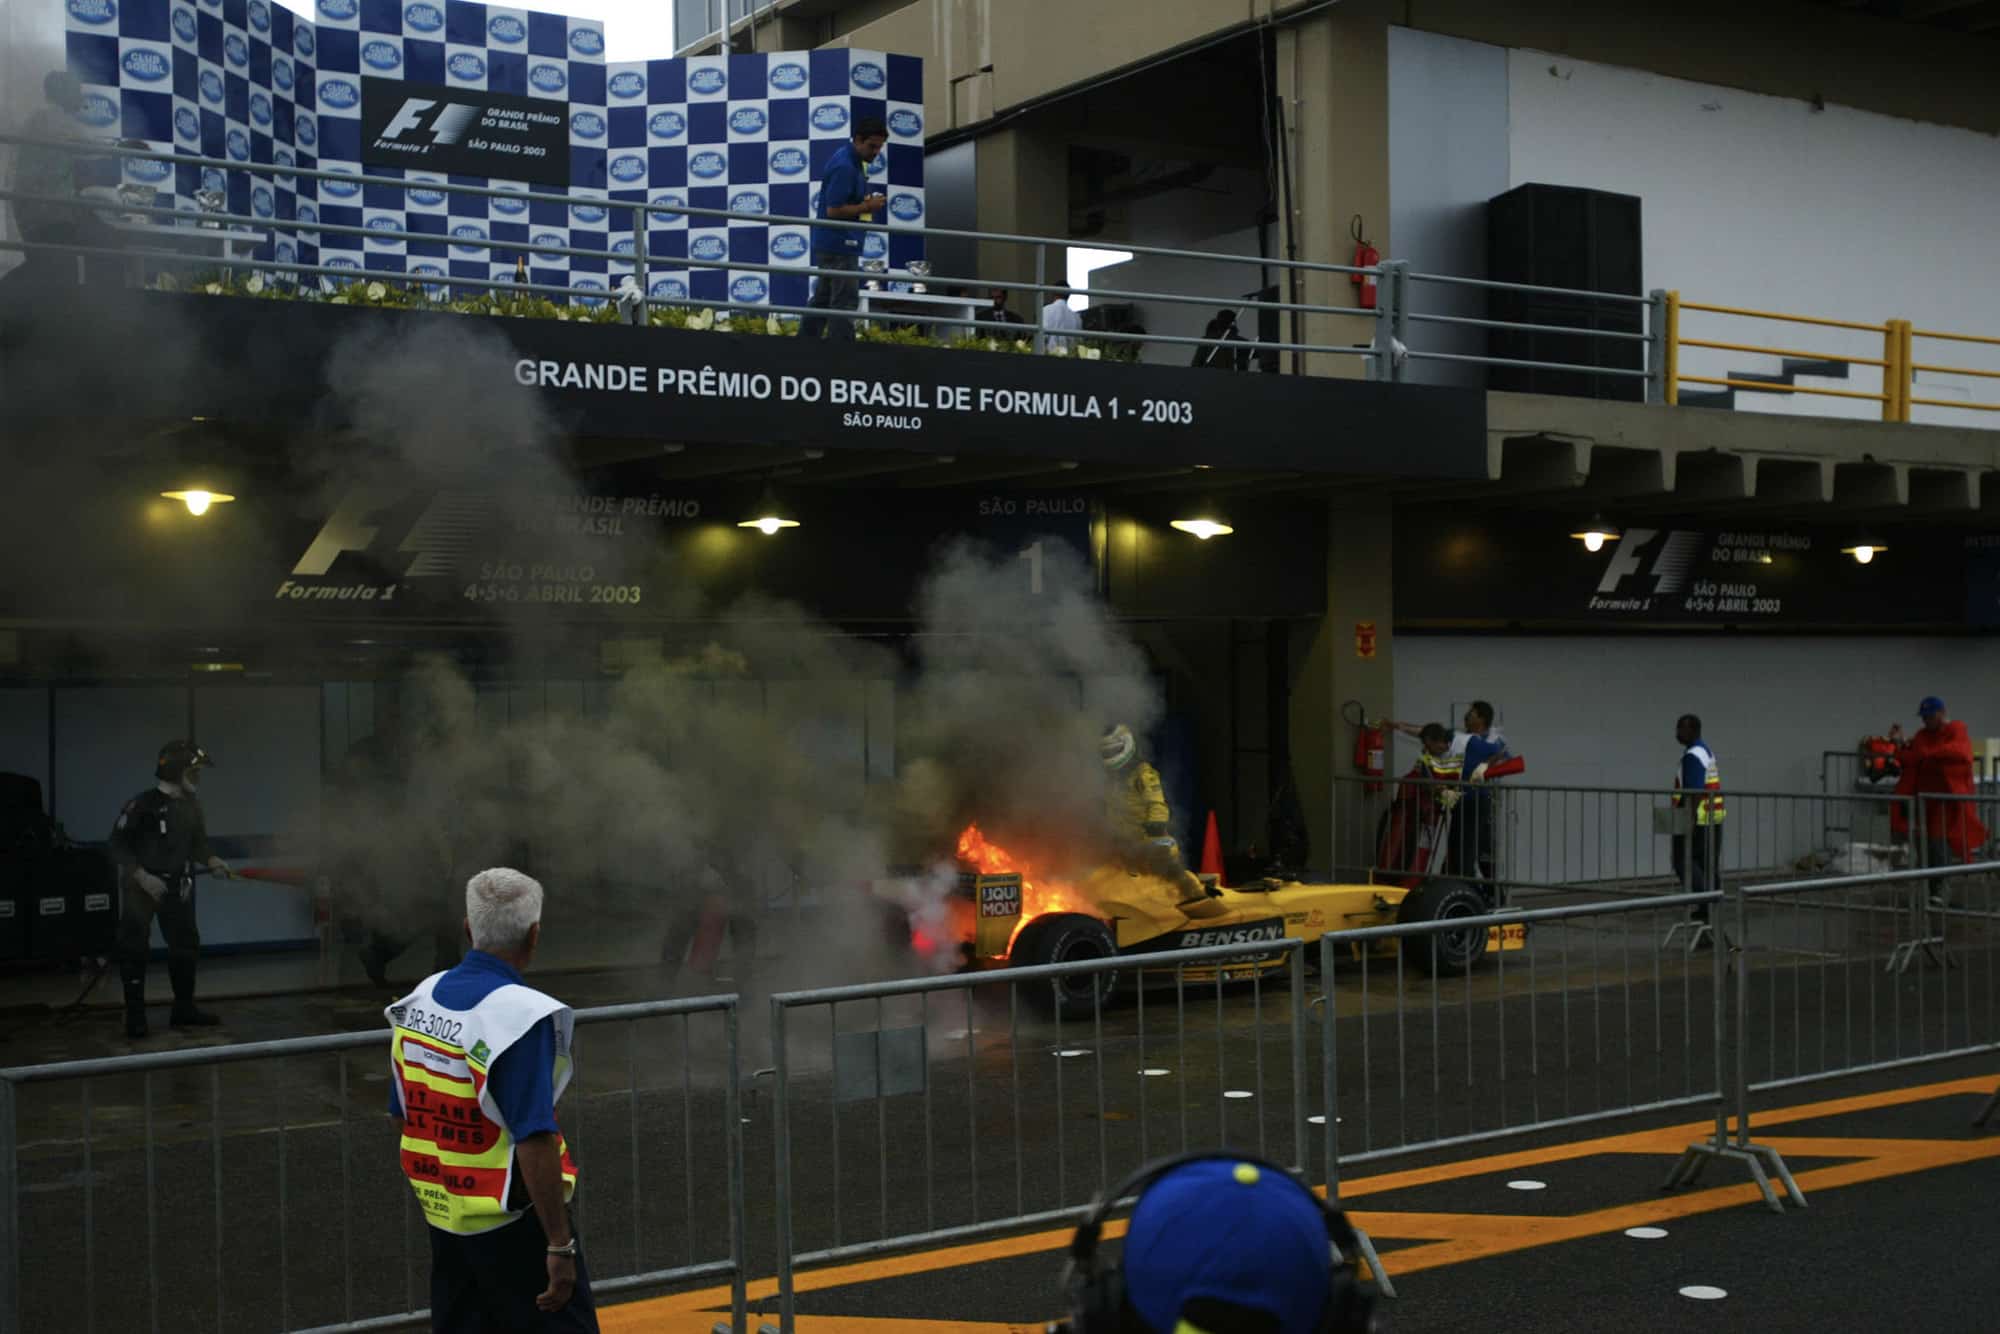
{"points": [[1763, 1161]]}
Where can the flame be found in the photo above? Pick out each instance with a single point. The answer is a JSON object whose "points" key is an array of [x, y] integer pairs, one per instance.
{"points": [[1038, 896]]}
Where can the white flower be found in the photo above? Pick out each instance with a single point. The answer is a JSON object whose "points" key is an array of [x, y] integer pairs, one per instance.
{"points": [[256, 283], [563, 313], [376, 291], [1091, 353], [1023, 345], [704, 319], [771, 325], [213, 289], [992, 345]]}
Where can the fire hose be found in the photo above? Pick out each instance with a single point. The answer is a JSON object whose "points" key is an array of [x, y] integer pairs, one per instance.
{"points": [[184, 884]]}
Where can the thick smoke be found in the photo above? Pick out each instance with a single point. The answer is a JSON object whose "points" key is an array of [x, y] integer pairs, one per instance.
{"points": [[31, 44], [746, 765]]}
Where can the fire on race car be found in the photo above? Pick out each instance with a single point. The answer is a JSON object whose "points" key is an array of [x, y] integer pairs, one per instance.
{"points": [[1007, 911]]}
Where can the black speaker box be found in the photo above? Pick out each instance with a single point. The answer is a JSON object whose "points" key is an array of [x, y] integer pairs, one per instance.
{"points": [[1587, 241]]}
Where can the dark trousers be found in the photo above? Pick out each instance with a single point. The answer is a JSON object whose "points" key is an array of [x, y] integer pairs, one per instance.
{"points": [[488, 1284], [833, 293], [135, 940], [1704, 876]]}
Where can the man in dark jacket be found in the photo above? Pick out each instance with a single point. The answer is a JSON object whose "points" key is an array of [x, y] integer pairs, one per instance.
{"points": [[160, 843]]}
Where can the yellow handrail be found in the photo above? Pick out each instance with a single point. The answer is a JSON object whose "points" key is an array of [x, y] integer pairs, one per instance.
{"points": [[1956, 337], [1783, 352], [1778, 315], [1670, 392], [1781, 388], [1897, 363], [1949, 403]]}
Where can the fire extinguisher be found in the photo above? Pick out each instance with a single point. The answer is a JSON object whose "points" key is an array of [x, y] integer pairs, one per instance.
{"points": [[1371, 747], [1366, 256]]}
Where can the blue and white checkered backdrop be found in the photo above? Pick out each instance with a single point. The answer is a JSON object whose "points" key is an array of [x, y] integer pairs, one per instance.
{"points": [[250, 81]]}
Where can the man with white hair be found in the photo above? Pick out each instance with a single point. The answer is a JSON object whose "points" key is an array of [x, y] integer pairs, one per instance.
{"points": [[478, 1061]]}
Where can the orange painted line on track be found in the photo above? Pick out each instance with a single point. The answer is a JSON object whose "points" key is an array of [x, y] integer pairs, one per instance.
{"points": [[1453, 1238]]}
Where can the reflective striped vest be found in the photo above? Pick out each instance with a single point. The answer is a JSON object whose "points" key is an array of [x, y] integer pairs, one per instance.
{"points": [[1709, 809], [1449, 767], [456, 1149]]}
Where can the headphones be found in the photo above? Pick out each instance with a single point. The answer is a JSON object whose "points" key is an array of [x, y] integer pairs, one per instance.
{"points": [[1097, 1294]]}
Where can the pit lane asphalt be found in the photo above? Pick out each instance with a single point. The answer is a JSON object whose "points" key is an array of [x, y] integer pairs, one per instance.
{"points": [[314, 1222]]}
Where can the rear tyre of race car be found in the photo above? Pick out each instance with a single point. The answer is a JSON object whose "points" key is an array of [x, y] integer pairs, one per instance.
{"points": [[1069, 938], [1444, 952]]}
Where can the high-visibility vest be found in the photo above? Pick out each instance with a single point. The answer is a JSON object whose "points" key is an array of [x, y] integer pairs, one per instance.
{"points": [[1708, 809], [456, 1149], [1448, 768]]}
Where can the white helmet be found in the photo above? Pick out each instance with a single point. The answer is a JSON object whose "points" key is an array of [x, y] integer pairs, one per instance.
{"points": [[1118, 746]]}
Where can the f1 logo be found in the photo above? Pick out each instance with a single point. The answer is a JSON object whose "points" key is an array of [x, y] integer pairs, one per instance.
{"points": [[435, 543], [1670, 567], [447, 127]]}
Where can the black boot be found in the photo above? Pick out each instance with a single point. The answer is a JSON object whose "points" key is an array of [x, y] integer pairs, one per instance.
{"points": [[133, 975], [184, 1014]]}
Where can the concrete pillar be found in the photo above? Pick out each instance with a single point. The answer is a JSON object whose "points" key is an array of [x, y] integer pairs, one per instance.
{"points": [[1331, 670], [1333, 74], [1023, 189]]}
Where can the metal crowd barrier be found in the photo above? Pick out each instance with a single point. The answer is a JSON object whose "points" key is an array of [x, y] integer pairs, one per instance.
{"points": [[1608, 841], [150, 1191], [942, 1109]]}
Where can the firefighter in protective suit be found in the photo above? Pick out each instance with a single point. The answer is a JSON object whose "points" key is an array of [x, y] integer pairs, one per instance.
{"points": [[1136, 817], [159, 841]]}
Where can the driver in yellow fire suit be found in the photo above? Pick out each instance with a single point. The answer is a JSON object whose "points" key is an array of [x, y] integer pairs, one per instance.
{"points": [[1136, 816]]}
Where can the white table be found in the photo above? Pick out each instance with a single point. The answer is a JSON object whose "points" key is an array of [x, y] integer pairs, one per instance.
{"points": [[959, 307]]}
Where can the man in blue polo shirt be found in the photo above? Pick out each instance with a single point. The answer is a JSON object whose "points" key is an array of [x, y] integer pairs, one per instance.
{"points": [[844, 194], [1478, 746]]}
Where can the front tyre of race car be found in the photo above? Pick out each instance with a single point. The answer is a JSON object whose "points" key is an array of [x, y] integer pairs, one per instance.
{"points": [[1444, 952], [1068, 938]]}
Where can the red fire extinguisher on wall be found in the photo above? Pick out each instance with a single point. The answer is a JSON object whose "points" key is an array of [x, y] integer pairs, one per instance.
{"points": [[1366, 256], [1371, 746]]}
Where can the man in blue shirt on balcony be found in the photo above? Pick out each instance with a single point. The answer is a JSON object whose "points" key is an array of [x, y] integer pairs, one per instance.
{"points": [[844, 195]]}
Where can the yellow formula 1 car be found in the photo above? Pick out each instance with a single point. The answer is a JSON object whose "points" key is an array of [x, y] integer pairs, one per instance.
{"points": [[1011, 916]]}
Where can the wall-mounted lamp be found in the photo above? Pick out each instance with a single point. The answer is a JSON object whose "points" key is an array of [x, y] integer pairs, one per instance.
{"points": [[1595, 534], [199, 501]]}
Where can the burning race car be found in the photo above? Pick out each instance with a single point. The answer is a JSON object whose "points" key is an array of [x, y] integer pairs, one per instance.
{"points": [[1004, 912]]}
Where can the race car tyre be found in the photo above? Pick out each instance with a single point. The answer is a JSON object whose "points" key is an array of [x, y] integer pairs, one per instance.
{"points": [[1069, 938], [1444, 952]]}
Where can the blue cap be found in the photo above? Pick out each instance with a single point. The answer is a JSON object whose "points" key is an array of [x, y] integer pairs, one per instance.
{"points": [[1233, 1232], [1932, 704]]}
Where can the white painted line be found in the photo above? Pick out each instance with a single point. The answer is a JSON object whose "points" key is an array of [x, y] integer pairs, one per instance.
{"points": [[1155, 1071], [1646, 1233], [1238, 1093], [1527, 1185], [1074, 1051], [1321, 1120], [1703, 1293]]}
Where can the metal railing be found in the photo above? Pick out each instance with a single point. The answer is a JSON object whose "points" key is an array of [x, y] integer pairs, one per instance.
{"points": [[946, 1108], [1386, 350], [1606, 841], [973, 1070], [260, 1195], [1894, 371]]}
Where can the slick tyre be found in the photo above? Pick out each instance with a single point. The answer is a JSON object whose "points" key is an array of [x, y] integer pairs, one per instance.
{"points": [[1069, 938], [1444, 952]]}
